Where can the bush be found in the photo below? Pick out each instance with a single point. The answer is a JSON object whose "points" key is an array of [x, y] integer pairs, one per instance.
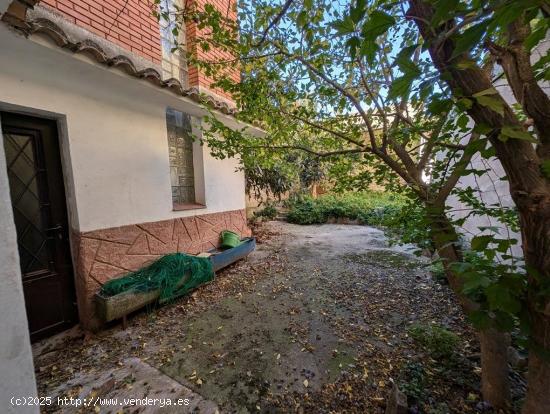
{"points": [[438, 272], [413, 381], [269, 212], [410, 225], [372, 208], [440, 342]]}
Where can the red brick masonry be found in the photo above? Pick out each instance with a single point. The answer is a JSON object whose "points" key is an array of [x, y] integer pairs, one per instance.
{"points": [[127, 23], [104, 254]]}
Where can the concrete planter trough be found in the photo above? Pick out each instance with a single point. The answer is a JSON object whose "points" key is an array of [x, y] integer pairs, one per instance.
{"points": [[119, 306]]}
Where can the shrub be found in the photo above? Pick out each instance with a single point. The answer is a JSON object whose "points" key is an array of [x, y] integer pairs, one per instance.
{"points": [[372, 208], [410, 225], [440, 342], [413, 381], [269, 212], [438, 272]]}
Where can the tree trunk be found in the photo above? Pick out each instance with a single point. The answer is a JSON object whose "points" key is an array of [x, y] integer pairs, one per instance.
{"points": [[536, 246], [529, 188], [537, 400], [495, 384]]}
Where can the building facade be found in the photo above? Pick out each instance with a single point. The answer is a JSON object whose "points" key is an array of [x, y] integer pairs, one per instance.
{"points": [[99, 169]]}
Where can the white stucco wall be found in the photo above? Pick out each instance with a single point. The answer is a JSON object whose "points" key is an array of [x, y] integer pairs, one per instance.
{"points": [[16, 364], [114, 137], [4, 5]]}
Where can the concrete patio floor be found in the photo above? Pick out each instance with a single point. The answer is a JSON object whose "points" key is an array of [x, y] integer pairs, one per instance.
{"points": [[314, 321]]}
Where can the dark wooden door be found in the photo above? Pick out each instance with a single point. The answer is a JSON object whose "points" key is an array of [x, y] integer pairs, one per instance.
{"points": [[40, 214]]}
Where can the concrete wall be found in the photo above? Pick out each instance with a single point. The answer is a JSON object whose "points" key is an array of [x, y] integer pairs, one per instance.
{"points": [[114, 137], [16, 365], [490, 187]]}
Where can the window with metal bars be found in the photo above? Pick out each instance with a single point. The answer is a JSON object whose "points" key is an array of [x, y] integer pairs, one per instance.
{"points": [[180, 145]]}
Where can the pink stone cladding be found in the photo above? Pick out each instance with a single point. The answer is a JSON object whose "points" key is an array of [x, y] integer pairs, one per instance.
{"points": [[102, 255]]}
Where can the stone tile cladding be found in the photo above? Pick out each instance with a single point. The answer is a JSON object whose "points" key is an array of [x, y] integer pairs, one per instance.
{"points": [[104, 254]]}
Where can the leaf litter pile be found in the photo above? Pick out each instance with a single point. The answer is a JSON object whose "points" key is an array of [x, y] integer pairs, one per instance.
{"points": [[320, 319]]}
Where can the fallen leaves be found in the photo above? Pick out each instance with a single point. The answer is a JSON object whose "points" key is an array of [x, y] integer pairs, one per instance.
{"points": [[365, 300]]}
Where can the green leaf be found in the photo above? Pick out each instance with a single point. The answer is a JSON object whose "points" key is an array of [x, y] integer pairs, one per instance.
{"points": [[353, 45], [545, 167], [480, 319], [465, 64], [443, 11], [358, 11], [508, 12], [465, 103], [504, 244], [404, 55], [368, 50], [462, 121], [302, 19], [516, 133], [468, 40], [405, 63], [494, 229], [489, 91], [500, 298], [479, 243], [344, 26], [504, 321], [535, 37], [377, 24], [439, 106], [474, 282], [492, 103], [401, 86]]}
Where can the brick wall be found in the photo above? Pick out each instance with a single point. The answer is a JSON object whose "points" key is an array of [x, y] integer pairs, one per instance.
{"points": [[196, 78], [131, 25], [128, 24]]}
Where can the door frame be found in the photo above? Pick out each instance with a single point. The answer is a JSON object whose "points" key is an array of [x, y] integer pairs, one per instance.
{"points": [[67, 178]]}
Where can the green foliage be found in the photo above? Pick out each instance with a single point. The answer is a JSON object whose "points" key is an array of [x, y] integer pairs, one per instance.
{"points": [[413, 381], [471, 198], [272, 180], [411, 225], [372, 208], [498, 286], [269, 212], [351, 84], [440, 342], [438, 271]]}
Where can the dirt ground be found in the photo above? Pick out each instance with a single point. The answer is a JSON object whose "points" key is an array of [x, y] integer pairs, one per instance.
{"points": [[315, 321]]}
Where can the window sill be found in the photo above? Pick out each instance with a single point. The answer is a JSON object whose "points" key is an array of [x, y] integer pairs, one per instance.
{"points": [[190, 206]]}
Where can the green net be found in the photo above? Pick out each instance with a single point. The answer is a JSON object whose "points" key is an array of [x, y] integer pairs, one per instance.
{"points": [[173, 274]]}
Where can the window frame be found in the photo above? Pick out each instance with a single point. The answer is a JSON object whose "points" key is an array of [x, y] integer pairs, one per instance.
{"points": [[193, 131], [173, 63]]}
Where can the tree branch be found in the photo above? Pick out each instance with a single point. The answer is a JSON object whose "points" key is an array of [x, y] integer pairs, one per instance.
{"points": [[457, 172]]}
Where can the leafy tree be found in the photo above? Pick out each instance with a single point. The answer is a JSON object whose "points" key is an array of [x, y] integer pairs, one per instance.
{"points": [[270, 180], [403, 93]]}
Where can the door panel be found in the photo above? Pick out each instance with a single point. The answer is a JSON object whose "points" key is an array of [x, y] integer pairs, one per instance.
{"points": [[39, 208]]}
